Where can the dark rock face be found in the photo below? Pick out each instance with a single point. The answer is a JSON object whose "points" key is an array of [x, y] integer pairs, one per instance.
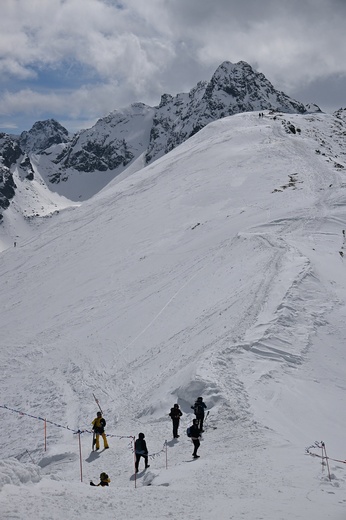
{"points": [[11, 155], [96, 156], [238, 88], [43, 135], [10, 152], [7, 187], [341, 114], [27, 168], [111, 144]]}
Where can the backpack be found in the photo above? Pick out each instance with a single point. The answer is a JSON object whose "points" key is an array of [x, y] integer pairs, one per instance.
{"points": [[199, 409], [188, 432]]}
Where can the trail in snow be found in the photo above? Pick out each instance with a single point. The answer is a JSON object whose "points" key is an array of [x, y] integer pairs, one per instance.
{"points": [[191, 277]]}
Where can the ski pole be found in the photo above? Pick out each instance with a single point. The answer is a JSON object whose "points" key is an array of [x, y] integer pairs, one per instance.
{"points": [[98, 404], [32, 460]]}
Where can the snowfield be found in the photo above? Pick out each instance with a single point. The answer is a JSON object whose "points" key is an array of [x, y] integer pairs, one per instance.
{"points": [[217, 271]]}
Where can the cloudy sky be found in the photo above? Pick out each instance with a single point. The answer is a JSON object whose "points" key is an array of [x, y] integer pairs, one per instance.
{"points": [[77, 60]]}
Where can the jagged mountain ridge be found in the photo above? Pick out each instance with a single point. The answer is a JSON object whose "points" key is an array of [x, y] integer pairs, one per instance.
{"points": [[43, 135], [10, 154], [233, 88], [138, 134]]}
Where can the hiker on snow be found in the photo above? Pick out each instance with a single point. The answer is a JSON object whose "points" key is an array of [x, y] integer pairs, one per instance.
{"points": [[194, 434], [104, 480], [199, 408], [141, 450], [99, 424], [175, 415]]}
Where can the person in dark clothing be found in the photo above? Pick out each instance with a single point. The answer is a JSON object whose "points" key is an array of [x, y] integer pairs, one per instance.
{"points": [[195, 435], [175, 415], [104, 480], [141, 450], [199, 408]]}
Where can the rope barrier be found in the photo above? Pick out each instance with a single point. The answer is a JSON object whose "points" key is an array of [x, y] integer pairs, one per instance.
{"points": [[75, 432], [79, 432], [38, 418], [152, 456], [321, 446]]}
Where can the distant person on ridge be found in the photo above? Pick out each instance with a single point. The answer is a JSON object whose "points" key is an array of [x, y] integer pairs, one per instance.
{"points": [[104, 480], [141, 450], [99, 424], [175, 415], [199, 408], [194, 433]]}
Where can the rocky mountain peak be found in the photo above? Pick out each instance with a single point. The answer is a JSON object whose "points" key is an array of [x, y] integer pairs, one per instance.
{"points": [[43, 135], [139, 134], [165, 100], [239, 88]]}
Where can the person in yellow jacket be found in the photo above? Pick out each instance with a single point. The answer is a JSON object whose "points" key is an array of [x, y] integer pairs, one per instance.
{"points": [[104, 480], [99, 424]]}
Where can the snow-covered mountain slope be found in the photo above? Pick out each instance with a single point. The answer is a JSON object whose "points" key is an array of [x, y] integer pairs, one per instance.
{"points": [[217, 271], [118, 139], [24, 195], [79, 166], [31, 206], [233, 88]]}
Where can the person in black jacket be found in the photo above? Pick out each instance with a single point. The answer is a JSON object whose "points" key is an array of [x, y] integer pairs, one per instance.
{"points": [[195, 435], [199, 408], [141, 450], [175, 415]]}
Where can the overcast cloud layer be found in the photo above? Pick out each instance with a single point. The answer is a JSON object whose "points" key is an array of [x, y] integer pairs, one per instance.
{"points": [[77, 60]]}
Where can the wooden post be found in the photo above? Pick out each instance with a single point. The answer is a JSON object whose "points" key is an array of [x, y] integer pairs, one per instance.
{"points": [[134, 455], [325, 455], [166, 455], [80, 457]]}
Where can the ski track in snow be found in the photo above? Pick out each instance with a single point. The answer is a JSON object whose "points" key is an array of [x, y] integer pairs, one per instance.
{"points": [[129, 298]]}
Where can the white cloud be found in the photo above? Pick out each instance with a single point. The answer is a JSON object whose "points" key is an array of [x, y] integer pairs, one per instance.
{"points": [[138, 50], [9, 66], [144, 35], [73, 102]]}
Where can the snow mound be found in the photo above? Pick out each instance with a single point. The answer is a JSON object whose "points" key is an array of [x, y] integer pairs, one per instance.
{"points": [[14, 472]]}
